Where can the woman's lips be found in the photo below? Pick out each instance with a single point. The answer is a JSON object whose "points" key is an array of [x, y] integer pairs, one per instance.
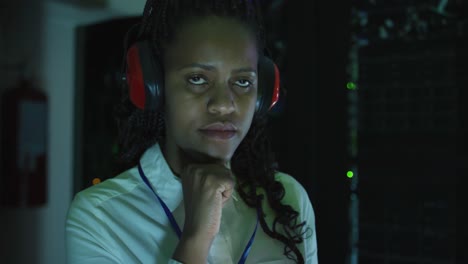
{"points": [[219, 131], [218, 134]]}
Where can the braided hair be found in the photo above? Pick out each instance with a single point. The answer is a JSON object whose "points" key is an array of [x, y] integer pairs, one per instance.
{"points": [[253, 162]]}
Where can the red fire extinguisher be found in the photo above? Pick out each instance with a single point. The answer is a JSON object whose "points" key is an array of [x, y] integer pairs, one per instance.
{"points": [[24, 125]]}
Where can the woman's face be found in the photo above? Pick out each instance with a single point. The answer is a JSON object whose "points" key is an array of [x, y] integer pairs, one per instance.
{"points": [[210, 89]]}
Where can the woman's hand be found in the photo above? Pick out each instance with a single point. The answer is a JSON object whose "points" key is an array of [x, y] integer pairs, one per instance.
{"points": [[206, 187]]}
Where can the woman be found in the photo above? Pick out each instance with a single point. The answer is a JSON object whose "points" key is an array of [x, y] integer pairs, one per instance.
{"points": [[194, 151]]}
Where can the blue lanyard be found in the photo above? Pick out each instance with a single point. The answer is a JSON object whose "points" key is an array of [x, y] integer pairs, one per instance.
{"points": [[176, 227]]}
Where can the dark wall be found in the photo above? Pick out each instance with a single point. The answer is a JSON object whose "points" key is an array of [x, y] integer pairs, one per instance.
{"points": [[99, 55], [312, 140]]}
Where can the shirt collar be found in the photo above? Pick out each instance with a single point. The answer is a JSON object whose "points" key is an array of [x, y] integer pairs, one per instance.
{"points": [[161, 178]]}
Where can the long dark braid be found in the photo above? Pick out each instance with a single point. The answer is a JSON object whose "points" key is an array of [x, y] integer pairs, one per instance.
{"points": [[253, 162]]}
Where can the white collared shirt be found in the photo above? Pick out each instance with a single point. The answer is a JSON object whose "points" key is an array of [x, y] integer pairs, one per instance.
{"points": [[120, 221]]}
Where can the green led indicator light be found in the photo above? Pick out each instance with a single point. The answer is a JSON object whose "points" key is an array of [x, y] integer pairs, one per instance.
{"points": [[350, 174], [351, 86]]}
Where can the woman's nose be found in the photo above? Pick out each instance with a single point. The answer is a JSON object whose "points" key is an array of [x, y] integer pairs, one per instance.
{"points": [[221, 101]]}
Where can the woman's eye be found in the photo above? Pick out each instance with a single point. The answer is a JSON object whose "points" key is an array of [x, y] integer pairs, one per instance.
{"points": [[243, 83], [197, 80]]}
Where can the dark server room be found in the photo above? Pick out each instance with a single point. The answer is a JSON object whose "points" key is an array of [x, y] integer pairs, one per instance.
{"points": [[371, 123]]}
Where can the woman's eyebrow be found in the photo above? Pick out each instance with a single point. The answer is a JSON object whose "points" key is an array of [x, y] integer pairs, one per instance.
{"points": [[246, 69], [199, 65], [208, 67]]}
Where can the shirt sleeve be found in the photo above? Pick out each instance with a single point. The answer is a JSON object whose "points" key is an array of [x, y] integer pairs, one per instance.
{"points": [[86, 242], [83, 241], [297, 197]]}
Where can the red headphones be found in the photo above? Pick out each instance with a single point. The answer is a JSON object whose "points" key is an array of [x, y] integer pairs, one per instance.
{"points": [[145, 79]]}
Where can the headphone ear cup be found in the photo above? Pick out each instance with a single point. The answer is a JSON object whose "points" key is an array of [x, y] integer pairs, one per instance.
{"points": [[144, 77], [268, 85]]}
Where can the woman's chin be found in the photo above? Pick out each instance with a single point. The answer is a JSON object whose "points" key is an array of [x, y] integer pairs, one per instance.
{"points": [[211, 155], [219, 155]]}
